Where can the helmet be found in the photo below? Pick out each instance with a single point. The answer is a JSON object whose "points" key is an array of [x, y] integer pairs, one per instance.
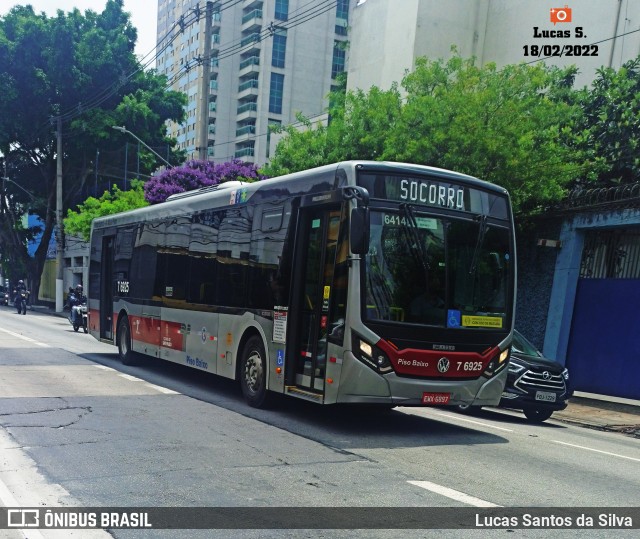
{"points": [[20, 281], [79, 288]]}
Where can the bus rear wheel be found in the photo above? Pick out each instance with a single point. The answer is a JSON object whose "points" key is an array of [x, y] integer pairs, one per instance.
{"points": [[253, 373], [127, 355]]}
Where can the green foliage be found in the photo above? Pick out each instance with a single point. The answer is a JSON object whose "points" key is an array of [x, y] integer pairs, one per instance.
{"points": [[609, 130], [79, 222], [358, 122], [80, 67], [499, 125], [505, 126]]}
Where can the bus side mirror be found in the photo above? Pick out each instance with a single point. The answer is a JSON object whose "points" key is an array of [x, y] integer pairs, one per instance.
{"points": [[359, 232]]}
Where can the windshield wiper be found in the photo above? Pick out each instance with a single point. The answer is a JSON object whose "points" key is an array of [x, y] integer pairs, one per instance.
{"points": [[416, 247], [476, 252]]}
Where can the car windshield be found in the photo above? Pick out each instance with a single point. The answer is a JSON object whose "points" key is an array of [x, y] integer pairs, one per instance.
{"points": [[436, 271], [522, 345]]}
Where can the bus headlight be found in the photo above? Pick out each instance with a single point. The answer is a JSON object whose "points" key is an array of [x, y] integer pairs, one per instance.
{"points": [[371, 355], [497, 364]]}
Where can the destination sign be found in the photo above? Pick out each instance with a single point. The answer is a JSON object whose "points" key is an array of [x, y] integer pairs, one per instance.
{"points": [[434, 192]]}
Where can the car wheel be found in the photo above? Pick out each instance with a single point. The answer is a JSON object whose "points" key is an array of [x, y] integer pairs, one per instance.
{"points": [[537, 415], [253, 373], [127, 355]]}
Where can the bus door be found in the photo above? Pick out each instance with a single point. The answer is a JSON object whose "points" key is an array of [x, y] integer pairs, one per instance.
{"points": [[312, 295], [106, 288]]}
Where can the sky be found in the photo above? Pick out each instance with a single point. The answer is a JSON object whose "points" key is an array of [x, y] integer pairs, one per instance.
{"points": [[144, 14]]}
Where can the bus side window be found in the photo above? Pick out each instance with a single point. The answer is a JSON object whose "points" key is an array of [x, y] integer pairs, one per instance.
{"points": [[203, 249], [267, 241]]}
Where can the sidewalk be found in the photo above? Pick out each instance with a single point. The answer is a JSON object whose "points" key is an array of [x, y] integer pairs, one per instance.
{"points": [[602, 412]]}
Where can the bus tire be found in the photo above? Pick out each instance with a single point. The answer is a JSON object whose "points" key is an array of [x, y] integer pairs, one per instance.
{"points": [[253, 373], [469, 409], [127, 355]]}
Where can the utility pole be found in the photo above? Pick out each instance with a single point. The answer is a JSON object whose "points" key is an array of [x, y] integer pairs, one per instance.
{"points": [[204, 88], [60, 238]]}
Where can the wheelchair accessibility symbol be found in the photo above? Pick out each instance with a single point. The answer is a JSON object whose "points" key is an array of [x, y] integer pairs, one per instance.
{"points": [[453, 318]]}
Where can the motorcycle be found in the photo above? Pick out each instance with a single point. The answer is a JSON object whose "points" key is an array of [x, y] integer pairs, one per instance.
{"points": [[82, 319], [22, 297]]}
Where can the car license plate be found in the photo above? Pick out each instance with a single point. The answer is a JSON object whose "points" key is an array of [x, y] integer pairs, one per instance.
{"points": [[435, 398], [545, 396]]}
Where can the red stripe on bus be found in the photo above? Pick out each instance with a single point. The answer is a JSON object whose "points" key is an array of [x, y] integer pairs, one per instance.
{"points": [[437, 364]]}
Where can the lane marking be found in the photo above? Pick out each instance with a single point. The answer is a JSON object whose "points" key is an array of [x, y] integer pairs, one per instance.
{"points": [[9, 502], [129, 377], [17, 335], [453, 494], [161, 389], [104, 368], [596, 450], [164, 390], [482, 424]]}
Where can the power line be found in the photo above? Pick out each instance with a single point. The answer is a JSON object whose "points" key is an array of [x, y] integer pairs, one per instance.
{"points": [[235, 47]]}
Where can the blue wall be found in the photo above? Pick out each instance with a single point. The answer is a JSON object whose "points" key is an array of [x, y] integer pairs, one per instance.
{"points": [[566, 273]]}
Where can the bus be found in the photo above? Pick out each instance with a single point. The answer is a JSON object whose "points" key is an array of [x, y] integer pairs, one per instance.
{"points": [[366, 282]]}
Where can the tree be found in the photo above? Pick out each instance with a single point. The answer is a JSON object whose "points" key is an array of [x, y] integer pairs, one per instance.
{"points": [[78, 222], [358, 122], [505, 126], [82, 69], [195, 174], [609, 130]]}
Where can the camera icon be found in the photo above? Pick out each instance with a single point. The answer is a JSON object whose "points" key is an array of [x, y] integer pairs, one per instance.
{"points": [[560, 14]]}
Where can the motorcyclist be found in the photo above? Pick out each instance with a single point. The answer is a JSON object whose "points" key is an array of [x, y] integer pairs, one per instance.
{"points": [[75, 300], [20, 287], [17, 296]]}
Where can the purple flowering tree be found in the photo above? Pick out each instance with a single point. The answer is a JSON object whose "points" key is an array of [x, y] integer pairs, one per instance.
{"points": [[196, 174]]}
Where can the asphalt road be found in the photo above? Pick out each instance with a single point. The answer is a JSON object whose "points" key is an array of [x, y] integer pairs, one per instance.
{"points": [[77, 428]]}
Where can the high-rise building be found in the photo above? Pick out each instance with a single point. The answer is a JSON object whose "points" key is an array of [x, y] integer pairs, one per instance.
{"points": [[248, 64]]}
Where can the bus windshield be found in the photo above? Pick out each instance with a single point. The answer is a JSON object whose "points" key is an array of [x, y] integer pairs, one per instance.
{"points": [[430, 270]]}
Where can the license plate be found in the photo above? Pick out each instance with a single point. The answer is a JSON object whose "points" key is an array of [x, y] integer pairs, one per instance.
{"points": [[435, 398], [545, 396]]}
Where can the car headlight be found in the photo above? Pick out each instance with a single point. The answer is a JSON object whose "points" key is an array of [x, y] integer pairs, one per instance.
{"points": [[565, 374], [371, 355], [515, 368]]}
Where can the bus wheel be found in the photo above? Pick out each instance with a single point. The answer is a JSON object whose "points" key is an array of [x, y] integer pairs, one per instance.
{"points": [[253, 373], [127, 355], [468, 409]]}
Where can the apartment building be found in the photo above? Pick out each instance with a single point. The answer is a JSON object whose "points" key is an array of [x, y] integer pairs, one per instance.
{"points": [[248, 64]]}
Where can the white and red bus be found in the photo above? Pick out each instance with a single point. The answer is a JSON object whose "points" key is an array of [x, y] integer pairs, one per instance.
{"points": [[358, 282]]}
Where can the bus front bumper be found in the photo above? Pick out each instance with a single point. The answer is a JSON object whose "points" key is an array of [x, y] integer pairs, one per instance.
{"points": [[363, 385]]}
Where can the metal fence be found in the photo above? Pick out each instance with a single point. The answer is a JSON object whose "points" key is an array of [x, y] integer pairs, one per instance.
{"points": [[611, 254]]}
